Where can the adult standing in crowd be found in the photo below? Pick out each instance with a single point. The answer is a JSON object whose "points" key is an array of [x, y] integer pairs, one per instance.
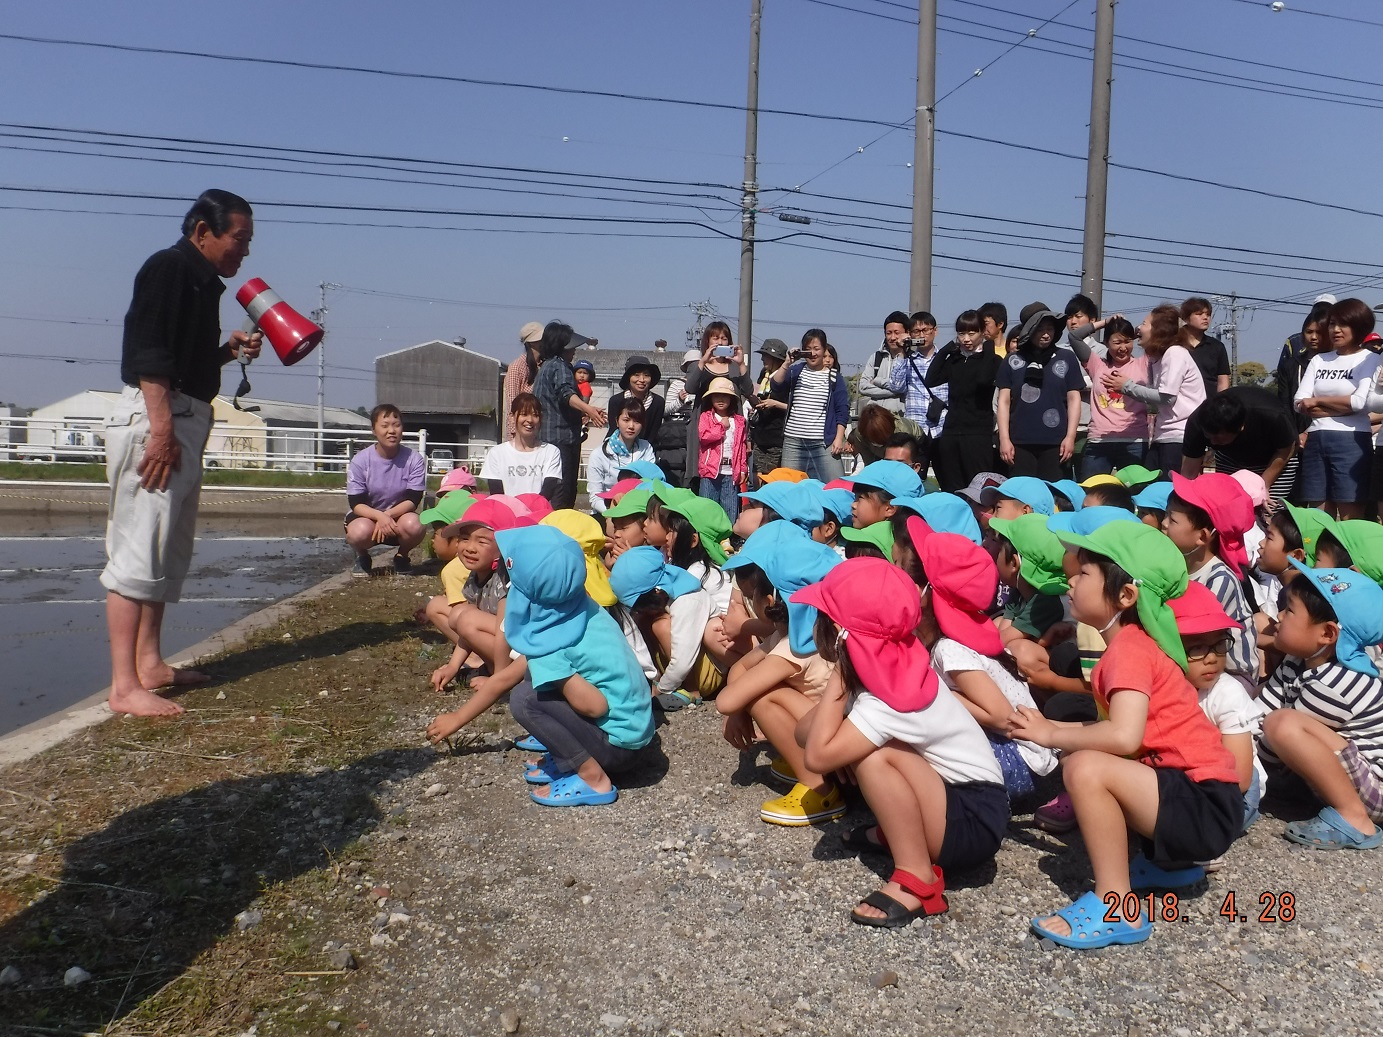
{"points": [[994, 325], [719, 358], [637, 382], [1297, 352], [1209, 353], [1174, 387], [521, 371], [562, 406], [923, 404], [675, 434], [873, 384], [1038, 408], [1334, 393], [385, 484], [967, 371], [1246, 427], [170, 361], [818, 411], [771, 411]]}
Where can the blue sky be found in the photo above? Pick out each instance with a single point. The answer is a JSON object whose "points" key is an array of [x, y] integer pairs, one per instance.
{"points": [[66, 275]]}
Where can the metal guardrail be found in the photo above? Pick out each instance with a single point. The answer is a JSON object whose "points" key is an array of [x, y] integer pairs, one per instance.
{"points": [[82, 441]]}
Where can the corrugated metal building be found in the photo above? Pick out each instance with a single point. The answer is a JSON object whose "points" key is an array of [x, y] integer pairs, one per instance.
{"points": [[451, 391]]}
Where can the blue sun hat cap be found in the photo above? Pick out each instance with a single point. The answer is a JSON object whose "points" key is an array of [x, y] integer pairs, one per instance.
{"points": [[1087, 520], [893, 477], [1071, 490], [945, 513], [645, 470], [1358, 605], [1154, 497], [804, 509], [1031, 491], [547, 608], [642, 569], [791, 560]]}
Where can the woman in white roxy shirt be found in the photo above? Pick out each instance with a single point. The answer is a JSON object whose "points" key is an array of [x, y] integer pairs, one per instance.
{"points": [[1334, 393]]}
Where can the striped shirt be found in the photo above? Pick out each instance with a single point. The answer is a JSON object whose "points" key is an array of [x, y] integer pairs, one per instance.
{"points": [[1347, 702], [807, 414], [1221, 581], [908, 376]]}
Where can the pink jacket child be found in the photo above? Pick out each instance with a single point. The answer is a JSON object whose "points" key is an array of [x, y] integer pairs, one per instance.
{"points": [[713, 431]]}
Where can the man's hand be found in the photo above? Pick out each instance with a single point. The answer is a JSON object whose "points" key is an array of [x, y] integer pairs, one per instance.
{"points": [[598, 417], [162, 457], [245, 346]]}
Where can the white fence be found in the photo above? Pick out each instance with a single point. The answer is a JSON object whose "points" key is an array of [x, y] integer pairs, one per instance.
{"points": [[284, 448]]}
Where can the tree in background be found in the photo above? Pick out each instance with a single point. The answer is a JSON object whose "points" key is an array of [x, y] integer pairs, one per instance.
{"points": [[1251, 372]]}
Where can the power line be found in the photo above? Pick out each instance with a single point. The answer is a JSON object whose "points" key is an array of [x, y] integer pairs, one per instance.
{"points": [[1316, 14]]}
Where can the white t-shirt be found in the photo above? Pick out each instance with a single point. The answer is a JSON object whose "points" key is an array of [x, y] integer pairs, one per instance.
{"points": [[1176, 374], [1329, 374], [944, 734], [1233, 712], [718, 585], [950, 657], [521, 471]]}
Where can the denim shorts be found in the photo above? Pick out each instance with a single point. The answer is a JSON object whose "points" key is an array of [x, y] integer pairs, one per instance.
{"points": [[1335, 467]]}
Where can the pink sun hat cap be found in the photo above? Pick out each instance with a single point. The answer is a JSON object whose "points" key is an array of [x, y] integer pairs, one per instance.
{"points": [[1231, 512], [1253, 485], [963, 579], [457, 479], [615, 492]]}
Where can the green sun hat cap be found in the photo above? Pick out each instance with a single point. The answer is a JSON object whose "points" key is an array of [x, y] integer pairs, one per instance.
{"points": [[1135, 476], [1040, 553], [448, 510], [1311, 522], [635, 502], [1364, 542], [1158, 569], [880, 534], [707, 517]]}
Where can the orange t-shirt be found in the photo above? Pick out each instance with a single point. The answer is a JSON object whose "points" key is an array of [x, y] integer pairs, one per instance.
{"points": [[1178, 733]]}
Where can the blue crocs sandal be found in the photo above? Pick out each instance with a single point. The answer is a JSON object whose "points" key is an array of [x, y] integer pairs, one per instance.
{"points": [[1144, 874], [529, 744], [1089, 930], [1329, 831], [544, 772], [571, 790]]}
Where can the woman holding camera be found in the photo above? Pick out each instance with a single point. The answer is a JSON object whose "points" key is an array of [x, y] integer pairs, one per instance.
{"points": [[818, 410], [719, 359]]}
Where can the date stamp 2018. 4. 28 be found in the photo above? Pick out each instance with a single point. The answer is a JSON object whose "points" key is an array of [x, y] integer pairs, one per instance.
{"points": [[1272, 907]]}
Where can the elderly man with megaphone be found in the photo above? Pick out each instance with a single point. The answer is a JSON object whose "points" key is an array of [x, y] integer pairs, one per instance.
{"points": [[171, 360]]}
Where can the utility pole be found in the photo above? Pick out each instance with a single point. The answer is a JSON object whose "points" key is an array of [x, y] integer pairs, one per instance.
{"points": [[319, 315], [923, 154], [1233, 330], [749, 201], [1097, 163]]}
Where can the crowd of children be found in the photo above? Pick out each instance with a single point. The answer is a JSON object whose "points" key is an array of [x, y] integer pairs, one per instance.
{"points": [[1135, 657]]}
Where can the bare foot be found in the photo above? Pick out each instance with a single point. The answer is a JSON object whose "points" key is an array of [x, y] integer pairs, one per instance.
{"points": [[141, 703], [1058, 926], [165, 676]]}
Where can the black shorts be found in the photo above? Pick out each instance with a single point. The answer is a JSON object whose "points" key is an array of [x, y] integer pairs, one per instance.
{"points": [[1196, 820], [977, 816]]}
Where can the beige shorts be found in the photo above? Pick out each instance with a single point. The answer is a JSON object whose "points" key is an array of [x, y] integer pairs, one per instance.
{"points": [[150, 533]]}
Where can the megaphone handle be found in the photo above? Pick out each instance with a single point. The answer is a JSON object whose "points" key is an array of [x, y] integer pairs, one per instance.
{"points": [[249, 328]]}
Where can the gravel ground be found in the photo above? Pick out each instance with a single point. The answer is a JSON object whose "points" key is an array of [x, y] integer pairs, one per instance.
{"points": [[288, 858], [678, 911]]}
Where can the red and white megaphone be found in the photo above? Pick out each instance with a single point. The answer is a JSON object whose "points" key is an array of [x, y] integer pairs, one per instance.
{"points": [[291, 334]]}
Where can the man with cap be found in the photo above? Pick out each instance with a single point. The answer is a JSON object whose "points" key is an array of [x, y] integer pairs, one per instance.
{"points": [[519, 375], [637, 382], [771, 411]]}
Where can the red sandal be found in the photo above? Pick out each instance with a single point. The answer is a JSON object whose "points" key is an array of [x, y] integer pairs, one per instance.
{"points": [[895, 914]]}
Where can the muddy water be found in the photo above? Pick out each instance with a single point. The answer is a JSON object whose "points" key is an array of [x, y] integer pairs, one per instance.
{"points": [[52, 607]]}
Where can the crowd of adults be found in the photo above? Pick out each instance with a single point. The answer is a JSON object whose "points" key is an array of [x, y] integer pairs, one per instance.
{"points": [[1056, 395]]}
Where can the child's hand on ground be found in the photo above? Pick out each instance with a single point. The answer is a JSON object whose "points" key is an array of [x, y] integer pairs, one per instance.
{"points": [[443, 726], [443, 675], [738, 730], [1030, 725]]}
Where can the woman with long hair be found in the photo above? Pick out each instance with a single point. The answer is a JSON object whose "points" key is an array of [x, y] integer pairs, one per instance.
{"points": [[1174, 388]]}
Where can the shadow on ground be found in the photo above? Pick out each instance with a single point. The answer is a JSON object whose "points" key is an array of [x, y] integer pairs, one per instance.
{"points": [[142, 898]]}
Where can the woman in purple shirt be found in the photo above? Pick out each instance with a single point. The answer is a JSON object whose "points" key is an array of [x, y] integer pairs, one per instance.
{"points": [[384, 487]]}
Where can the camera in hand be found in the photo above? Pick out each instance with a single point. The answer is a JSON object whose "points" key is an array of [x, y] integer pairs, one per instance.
{"points": [[725, 352]]}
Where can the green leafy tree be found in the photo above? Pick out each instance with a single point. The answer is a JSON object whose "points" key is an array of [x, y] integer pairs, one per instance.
{"points": [[1251, 372]]}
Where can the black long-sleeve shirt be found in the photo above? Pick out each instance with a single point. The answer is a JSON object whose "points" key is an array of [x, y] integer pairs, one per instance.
{"points": [[970, 377], [173, 327]]}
